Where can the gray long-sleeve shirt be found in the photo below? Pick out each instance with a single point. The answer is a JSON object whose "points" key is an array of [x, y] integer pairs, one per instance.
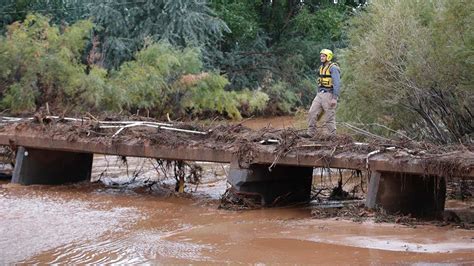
{"points": [[336, 80]]}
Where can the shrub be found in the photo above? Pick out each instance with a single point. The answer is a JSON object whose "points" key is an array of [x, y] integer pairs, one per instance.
{"points": [[208, 95], [409, 67], [282, 99], [251, 102], [41, 64]]}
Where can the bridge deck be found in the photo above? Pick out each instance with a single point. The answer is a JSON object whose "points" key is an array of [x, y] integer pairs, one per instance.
{"points": [[225, 144]]}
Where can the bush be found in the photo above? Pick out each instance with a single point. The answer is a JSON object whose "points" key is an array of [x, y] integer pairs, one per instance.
{"points": [[146, 82], [282, 99], [164, 79], [251, 102], [404, 71], [208, 95], [306, 92], [41, 64]]}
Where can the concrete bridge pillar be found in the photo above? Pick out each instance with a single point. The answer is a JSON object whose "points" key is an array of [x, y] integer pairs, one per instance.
{"points": [[283, 184], [34, 166], [420, 196]]}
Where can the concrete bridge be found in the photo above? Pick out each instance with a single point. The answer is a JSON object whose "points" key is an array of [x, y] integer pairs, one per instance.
{"points": [[399, 180]]}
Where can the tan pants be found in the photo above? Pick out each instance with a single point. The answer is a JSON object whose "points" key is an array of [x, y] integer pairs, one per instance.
{"points": [[321, 106]]}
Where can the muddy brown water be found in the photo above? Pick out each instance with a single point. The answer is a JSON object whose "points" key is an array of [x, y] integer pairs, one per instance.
{"points": [[119, 221]]}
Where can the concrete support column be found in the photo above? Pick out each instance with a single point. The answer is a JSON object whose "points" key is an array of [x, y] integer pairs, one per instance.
{"points": [[421, 196], [34, 166], [283, 184]]}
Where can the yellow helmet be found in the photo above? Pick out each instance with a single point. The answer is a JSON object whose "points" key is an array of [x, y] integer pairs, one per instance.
{"points": [[328, 53]]}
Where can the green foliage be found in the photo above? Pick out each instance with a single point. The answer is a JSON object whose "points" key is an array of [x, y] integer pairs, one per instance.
{"points": [[164, 79], [40, 64], [241, 18], [406, 72], [60, 11], [456, 48], [7, 14], [208, 95], [249, 66], [123, 26], [97, 91], [146, 82], [306, 91], [251, 102], [282, 99], [20, 98], [326, 24]]}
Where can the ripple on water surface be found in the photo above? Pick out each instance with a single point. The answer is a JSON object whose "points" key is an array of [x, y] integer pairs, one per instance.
{"points": [[33, 225]]}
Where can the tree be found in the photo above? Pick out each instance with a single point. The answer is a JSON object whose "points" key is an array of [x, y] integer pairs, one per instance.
{"points": [[41, 64], [122, 26], [60, 11], [406, 73]]}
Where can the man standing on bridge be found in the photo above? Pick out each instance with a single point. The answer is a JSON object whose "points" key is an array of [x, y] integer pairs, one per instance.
{"points": [[325, 102]]}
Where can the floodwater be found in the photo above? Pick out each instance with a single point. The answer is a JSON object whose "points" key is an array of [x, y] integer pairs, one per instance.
{"points": [[130, 215], [115, 222]]}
